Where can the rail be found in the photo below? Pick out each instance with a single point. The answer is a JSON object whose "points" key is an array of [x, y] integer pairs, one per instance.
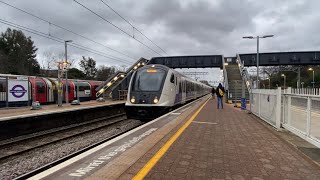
{"points": [[298, 113], [244, 73]]}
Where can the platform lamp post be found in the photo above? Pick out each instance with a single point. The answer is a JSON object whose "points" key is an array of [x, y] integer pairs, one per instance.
{"points": [[257, 37], [66, 64], [59, 88], [284, 83], [310, 69]]}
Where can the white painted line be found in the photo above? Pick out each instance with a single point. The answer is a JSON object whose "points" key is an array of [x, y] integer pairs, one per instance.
{"points": [[202, 122], [175, 113], [93, 150]]}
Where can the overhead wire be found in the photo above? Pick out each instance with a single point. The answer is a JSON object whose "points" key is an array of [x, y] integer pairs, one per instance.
{"points": [[66, 29], [93, 12], [132, 26], [57, 39]]}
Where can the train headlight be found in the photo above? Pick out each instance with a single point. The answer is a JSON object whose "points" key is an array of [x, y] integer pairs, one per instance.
{"points": [[155, 100], [133, 99]]}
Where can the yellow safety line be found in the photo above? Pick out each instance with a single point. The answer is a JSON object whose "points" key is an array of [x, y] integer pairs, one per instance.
{"points": [[147, 167]]}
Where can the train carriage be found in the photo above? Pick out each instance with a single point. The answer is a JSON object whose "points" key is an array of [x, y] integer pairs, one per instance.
{"points": [[84, 90], [154, 89]]}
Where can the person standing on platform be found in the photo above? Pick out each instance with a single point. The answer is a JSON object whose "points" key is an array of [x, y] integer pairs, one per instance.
{"points": [[220, 93], [213, 92]]}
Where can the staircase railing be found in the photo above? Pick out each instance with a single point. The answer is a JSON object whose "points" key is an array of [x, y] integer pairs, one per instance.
{"points": [[244, 73], [225, 75], [116, 79]]}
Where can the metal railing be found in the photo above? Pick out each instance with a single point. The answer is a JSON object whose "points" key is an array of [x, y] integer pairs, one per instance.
{"points": [[301, 115], [306, 91], [225, 75], [244, 73], [266, 104], [298, 113]]}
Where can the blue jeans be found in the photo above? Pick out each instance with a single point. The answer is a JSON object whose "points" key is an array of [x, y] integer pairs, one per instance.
{"points": [[220, 102]]}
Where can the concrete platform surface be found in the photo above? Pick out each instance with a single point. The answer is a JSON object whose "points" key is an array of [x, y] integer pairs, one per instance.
{"points": [[11, 113], [226, 144]]}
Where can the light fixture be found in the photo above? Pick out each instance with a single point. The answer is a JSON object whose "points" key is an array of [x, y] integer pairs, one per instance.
{"points": [[155, 100], [133, 99], [101, 91], [115, 78]]}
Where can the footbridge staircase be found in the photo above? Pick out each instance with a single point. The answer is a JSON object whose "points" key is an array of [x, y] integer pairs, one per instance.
{"points": [[116, 86], [234, 75]]}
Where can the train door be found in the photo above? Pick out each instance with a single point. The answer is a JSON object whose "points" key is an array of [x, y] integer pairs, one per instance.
{"points": [[50, 89], [41, 91], [70, 91]]}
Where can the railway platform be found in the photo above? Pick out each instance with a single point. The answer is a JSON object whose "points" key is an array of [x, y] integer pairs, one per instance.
{"points": [[197, 141], [22, 112]]}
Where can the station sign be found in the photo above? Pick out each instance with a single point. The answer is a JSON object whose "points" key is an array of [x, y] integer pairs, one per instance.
{"points": [[18, 90]]}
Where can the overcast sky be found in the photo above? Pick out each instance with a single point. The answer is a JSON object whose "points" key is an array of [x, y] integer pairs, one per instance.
{"points": [[179, 27]]}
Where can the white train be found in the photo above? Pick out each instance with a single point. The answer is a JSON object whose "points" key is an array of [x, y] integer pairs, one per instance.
{"points": [[155, 89]]}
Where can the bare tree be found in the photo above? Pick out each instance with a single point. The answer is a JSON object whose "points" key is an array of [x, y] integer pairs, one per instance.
{"points": [[48, 60]]}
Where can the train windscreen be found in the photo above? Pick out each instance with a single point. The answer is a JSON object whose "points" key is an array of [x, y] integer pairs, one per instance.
{"points": [[149, 80]]}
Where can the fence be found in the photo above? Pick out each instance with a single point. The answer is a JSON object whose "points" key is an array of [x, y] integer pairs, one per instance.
{"points": [[301, 115], [308, 91], [298, 113], [266, 104]]}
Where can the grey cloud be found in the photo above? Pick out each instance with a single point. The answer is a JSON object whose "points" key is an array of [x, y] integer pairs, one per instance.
{"points": [[181, 27]]}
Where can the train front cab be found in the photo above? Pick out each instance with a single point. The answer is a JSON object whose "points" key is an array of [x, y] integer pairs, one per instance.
{"points": [[145, 99]]}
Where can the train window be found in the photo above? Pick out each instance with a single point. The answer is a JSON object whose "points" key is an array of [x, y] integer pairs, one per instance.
{"points": [[83, 88], [172, 78], [144, 81], [40, 87]]}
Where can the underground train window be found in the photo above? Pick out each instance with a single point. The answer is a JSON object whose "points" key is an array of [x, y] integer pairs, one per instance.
{"points": [[149, 80], [40, 87]]}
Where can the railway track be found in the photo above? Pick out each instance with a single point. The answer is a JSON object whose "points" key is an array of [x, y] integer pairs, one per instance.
{"points": [[22, 144], [58, 161]]}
